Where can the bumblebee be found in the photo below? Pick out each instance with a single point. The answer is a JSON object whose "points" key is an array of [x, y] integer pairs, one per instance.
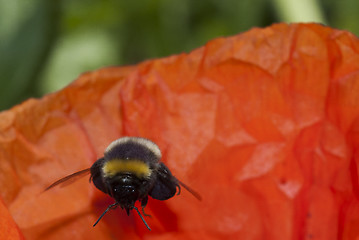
{"points": [[130, 171]]}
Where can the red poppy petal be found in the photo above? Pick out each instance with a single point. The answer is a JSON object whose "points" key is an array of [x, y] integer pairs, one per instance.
{"points": [[8, 230]]}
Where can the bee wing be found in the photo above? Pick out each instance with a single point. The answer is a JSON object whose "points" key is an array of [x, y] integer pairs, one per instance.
{"points": [[190, 190], [70, 178], [166, 185], [96, 175]]}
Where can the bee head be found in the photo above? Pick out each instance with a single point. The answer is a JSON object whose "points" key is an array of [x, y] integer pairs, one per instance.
{"points": [[125, 190]]}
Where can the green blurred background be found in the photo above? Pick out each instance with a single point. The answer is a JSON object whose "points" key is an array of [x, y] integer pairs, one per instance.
{"points": [[46, 44]]}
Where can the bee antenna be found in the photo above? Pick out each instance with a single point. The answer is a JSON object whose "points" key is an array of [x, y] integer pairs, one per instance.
{"points": [[143, 220], [103, 214]]}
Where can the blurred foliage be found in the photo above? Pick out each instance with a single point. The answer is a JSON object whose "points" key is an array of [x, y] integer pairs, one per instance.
{"points": [[44, 45], [24, 48]]}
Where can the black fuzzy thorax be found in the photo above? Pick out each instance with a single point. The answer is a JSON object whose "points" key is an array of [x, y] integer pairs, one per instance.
{"points": [[132, 151]]}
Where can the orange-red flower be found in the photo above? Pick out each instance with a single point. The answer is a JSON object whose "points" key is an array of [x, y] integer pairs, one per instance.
{"points": [[265, 125]]}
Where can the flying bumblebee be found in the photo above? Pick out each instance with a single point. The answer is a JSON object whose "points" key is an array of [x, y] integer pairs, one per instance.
{"points": [[131, 171]]}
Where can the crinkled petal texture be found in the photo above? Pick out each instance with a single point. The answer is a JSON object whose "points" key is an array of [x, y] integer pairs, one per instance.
{"points": [[264, 125]]}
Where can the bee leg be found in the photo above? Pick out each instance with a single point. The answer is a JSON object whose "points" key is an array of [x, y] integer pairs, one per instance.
{"points": [[112, 206], [143, 205], [143, 220]]}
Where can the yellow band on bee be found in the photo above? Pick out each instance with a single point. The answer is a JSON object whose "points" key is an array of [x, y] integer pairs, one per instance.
{"points": [[115, 166]]}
